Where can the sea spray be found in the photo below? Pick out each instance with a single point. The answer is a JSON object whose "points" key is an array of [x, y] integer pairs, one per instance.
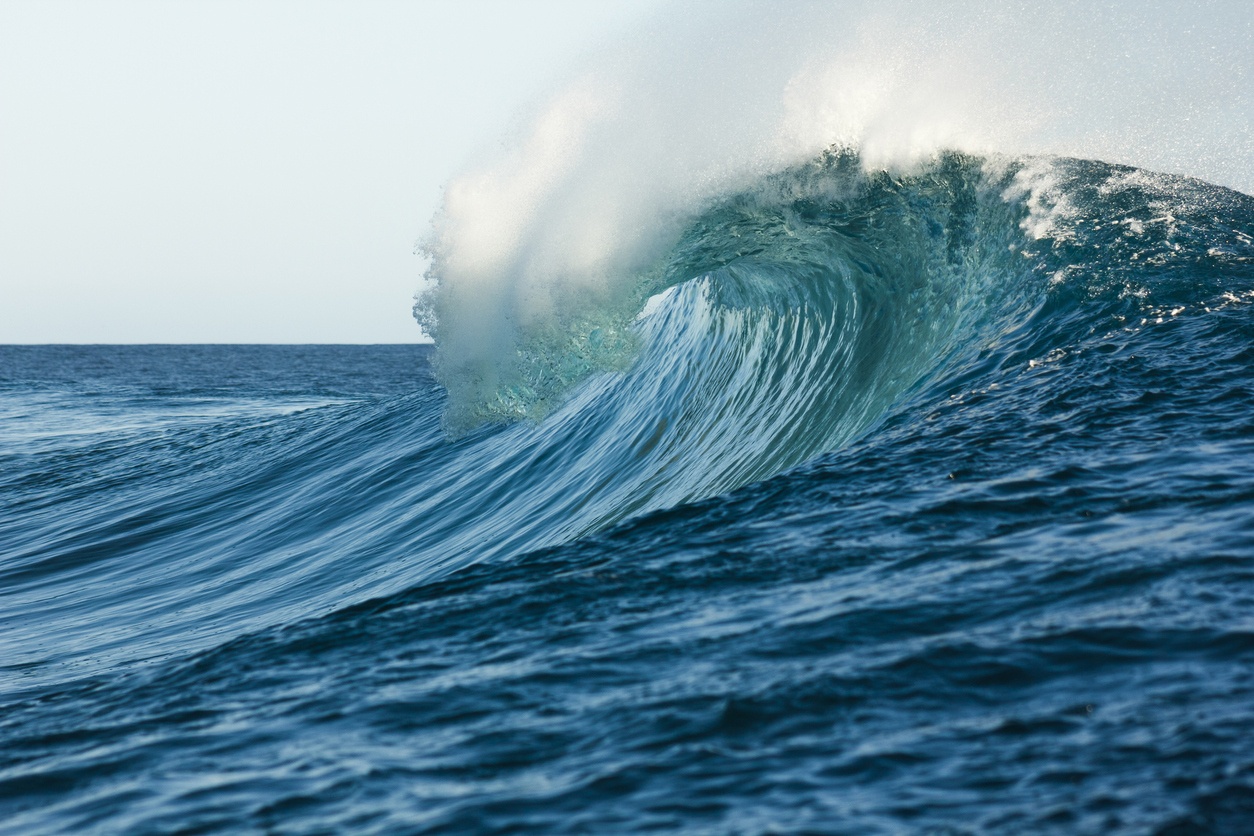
{"points": [[544, 251]]}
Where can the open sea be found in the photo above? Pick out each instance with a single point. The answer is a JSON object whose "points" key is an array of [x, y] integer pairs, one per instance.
{"points": [[894, 503]]}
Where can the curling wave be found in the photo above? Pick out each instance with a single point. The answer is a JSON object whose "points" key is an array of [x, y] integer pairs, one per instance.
{"points": [[784, 321], [788, 320], [790, 317]]}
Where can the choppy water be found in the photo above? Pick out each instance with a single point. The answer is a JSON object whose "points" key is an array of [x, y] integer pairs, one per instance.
{"points": [[895, 504]]}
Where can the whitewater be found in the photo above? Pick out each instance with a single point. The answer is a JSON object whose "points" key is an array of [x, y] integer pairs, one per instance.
{"points": [[840, 420]]}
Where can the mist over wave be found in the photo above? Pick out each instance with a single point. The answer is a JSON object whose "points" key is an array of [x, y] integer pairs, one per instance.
{"points": [[561, 232]]}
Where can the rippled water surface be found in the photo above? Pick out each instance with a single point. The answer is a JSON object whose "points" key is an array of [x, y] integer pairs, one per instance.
{"points": [[920, 506]]}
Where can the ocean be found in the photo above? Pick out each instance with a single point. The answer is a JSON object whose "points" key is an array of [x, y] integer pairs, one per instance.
{"points": [[886, 503]]}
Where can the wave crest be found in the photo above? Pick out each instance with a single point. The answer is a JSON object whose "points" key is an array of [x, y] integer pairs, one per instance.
{"points": [[824, 283]]}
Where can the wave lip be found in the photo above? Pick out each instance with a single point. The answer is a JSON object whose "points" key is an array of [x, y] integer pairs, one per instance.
{"points": [[814, 253]]}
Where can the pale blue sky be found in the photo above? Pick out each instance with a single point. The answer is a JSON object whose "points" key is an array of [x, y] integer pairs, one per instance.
{"points": [[250, 171], [259, 170]]}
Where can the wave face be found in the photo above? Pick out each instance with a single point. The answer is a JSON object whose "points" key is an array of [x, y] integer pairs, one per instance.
{"points": [[887, 487]]}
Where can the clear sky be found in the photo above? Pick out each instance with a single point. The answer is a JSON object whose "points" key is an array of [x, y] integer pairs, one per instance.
{"points": [[260, 170], [250, 171]]}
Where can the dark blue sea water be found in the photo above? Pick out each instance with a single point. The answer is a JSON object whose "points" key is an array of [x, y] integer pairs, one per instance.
{"points": [[908, 504]]}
